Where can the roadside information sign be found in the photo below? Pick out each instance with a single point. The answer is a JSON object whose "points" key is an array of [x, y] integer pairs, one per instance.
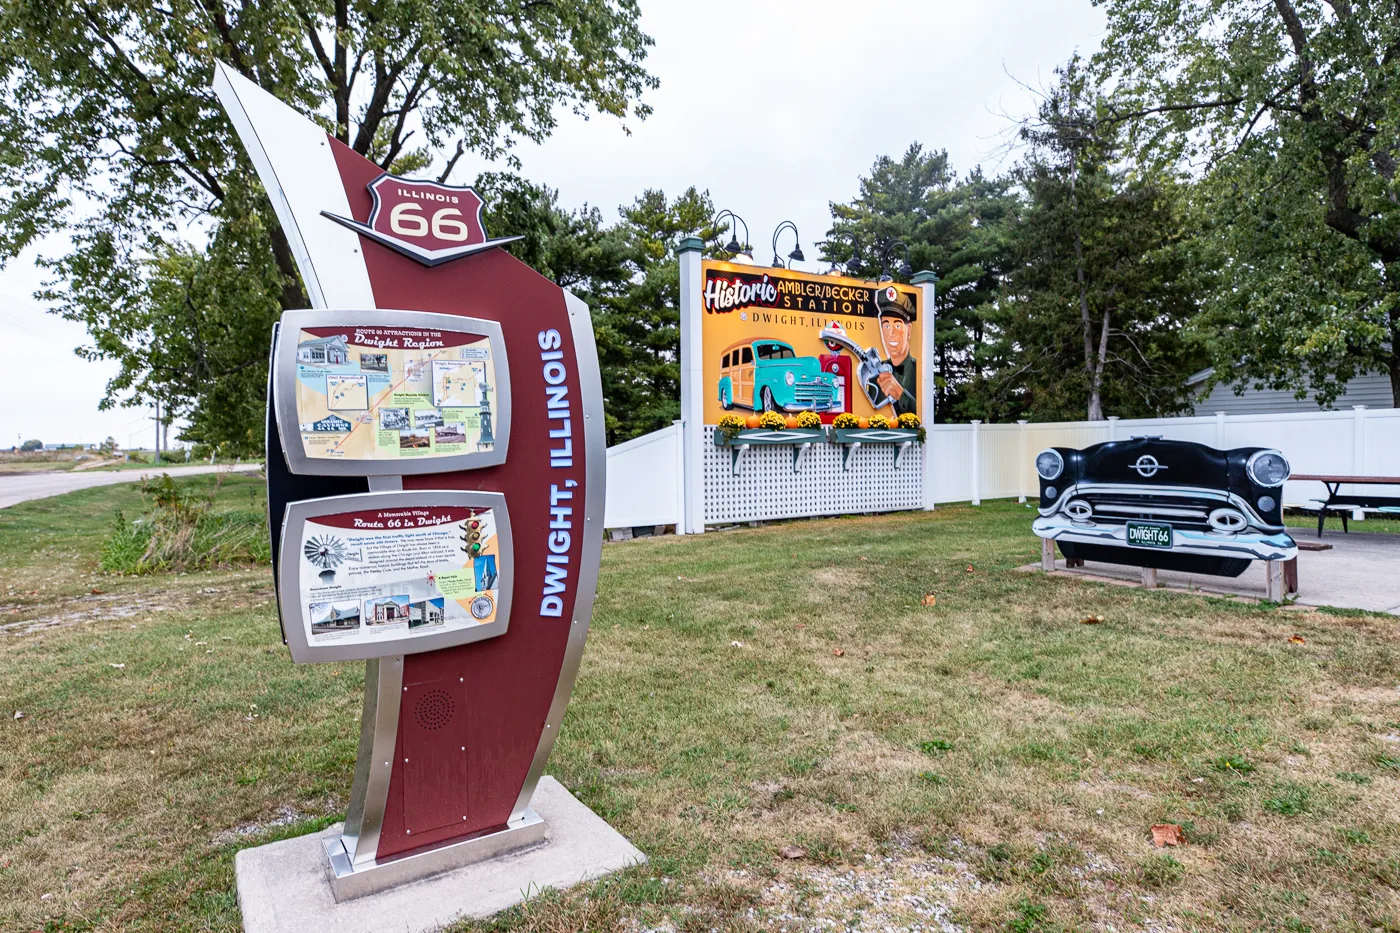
{"points": [[435, 470]]}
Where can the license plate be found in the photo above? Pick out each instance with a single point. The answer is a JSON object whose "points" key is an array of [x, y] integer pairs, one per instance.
{"points": [[1149, 534]]}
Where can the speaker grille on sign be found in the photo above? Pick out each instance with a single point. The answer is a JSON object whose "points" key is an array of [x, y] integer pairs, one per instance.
{"points": [[434, 709]]}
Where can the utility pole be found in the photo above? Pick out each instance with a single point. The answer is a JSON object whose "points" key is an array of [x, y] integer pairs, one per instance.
{"points": [[157, 430]]}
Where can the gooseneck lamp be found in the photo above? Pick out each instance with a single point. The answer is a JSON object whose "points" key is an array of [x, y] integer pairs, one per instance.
{"points": [[796, 254], [733, 222], [886, 249]]}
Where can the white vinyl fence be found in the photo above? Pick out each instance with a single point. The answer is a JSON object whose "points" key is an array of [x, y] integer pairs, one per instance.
{"points": [[971, 462], [990, 461], [644, 480]]}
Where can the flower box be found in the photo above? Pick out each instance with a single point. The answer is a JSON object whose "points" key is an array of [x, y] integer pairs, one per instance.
{"points": [[852, 439], [799, 439]]}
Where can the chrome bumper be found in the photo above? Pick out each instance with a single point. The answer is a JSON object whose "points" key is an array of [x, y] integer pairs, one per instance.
{"points": [[1251, 545]]}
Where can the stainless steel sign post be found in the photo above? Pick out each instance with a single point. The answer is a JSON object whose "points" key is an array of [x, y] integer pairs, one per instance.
{"points": [[435, 490]]}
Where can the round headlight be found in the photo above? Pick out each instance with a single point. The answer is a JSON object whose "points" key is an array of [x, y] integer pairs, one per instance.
{"points": [[789, 377], [1049, 464], [1051, 492], [1268, 468]]}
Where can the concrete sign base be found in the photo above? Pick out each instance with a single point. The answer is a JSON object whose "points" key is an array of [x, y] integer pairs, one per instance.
{"points": [[283, 887]]}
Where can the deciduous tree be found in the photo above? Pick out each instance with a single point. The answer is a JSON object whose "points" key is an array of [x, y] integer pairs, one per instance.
{"points": [[1292, 112], [108, 130]]}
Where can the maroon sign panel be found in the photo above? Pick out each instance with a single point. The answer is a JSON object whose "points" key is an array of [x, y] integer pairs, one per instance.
{"points": [[473, 718]]}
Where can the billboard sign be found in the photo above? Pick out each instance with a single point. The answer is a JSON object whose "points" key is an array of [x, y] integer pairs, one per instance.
{"points": [[778, 340]]}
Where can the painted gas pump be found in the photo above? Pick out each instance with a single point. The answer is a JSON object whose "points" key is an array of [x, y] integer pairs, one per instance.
{"points": [[839, 365]]}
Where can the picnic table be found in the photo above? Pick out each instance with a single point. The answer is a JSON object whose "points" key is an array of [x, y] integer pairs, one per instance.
{"points": [[1346, 503]]}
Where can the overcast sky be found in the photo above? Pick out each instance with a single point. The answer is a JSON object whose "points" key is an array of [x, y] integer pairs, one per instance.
{"points": [[777, 110]]}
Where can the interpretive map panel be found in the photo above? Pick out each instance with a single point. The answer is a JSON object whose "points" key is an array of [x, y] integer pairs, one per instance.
{"points": [[393, 393]]}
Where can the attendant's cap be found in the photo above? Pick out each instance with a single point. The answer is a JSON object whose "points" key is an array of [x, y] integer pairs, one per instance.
{"points": [[891, 302]]}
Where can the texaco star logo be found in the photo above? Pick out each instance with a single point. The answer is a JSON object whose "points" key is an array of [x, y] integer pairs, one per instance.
{"points": [[1147, 466]]}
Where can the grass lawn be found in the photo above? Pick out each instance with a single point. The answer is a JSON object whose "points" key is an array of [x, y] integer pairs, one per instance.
{"points": [[989, 763], [1304, 522]]}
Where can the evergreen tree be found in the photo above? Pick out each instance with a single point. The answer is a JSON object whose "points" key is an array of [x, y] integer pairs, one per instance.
{"points": [[956, 229], [1103, 287]]}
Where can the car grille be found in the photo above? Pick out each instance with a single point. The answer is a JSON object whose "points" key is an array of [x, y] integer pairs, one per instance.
{"points": [[1181, 510], [812, 393]]}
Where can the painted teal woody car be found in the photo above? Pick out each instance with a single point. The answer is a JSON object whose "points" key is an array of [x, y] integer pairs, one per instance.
{"points": [[768, 375]]}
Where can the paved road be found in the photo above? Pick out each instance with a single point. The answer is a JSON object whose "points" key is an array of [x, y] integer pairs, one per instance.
{"points": [[26, 486]]}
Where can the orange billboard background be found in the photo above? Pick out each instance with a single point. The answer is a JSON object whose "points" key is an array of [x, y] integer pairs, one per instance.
{"points": [[775, 339]]}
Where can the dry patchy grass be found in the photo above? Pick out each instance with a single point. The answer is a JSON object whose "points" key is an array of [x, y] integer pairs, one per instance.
{"points": [[987, 763]]}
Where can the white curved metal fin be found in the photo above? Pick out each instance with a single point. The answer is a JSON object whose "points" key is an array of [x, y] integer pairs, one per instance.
{"points": [[294, 160]]}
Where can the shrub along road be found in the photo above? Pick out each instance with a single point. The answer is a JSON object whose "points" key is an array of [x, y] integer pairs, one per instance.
{"points": [[773, 715]]}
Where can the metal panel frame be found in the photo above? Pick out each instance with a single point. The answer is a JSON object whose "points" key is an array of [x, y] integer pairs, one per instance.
{"points": [[591, 553], [351, 880], [369, 791], [285, 396], [289, 582]]}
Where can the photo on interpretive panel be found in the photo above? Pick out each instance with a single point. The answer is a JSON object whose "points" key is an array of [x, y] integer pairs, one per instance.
{"points": [[374, 362], [394, 419], [334, 617], [426, 612], [451, 433]]}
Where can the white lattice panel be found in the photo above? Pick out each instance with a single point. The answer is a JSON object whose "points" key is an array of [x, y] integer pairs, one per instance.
{"points": [[766, 488]]}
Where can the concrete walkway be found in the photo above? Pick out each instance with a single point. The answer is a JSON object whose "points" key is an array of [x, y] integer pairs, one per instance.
{"points": [[16, 488], [1361, 571]]}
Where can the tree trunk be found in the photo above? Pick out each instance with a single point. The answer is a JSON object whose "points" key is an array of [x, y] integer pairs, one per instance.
{"points": [[1096, 378], [1091, 371], [293, 295]]}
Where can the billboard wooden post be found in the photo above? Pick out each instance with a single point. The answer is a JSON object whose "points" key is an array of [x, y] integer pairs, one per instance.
{"points": [[928, 287], [436, 460], [692, 385]]}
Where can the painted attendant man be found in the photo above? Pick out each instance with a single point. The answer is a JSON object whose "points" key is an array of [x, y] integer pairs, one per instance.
{"points": [[896, 386]]}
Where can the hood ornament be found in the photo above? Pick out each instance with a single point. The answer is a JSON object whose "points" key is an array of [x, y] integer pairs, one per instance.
{"points": [[1147, 466]]}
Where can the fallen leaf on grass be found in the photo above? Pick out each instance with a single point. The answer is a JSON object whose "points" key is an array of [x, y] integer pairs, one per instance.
{"points": [[801, 625], [839, 652], [736, 644], [1166, 834], [865, 558], [969, 569], [117, 666], [1297, 640], [930, 599], [19, 714], [1091, 620], [792, 852], [95, 591]]}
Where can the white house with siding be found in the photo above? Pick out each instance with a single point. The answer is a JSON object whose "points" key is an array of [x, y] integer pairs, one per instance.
{"points": [[1371, 390]]}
